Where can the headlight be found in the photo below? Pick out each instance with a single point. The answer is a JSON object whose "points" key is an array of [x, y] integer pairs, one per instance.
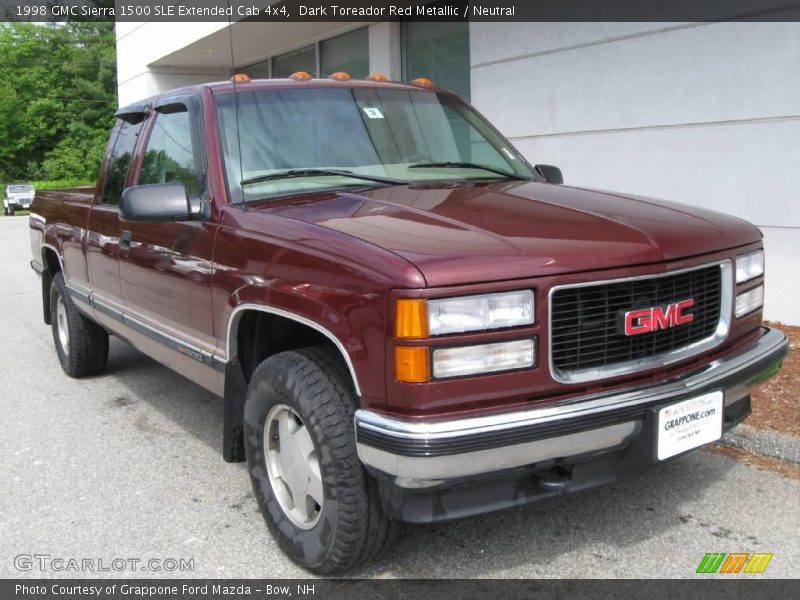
{"points": [[486, 358], [749, 266], [748, 301], [441, 316]]}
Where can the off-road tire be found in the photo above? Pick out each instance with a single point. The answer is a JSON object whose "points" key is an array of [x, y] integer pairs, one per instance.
{"points": [[352, 528], [87, 343]]}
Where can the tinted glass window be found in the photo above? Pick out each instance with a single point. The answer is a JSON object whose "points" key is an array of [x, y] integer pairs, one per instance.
{"points": [[119, 161], [169, 157], [304, 59], [348, 53], [390, 133], [259, 70], [439, 51]]}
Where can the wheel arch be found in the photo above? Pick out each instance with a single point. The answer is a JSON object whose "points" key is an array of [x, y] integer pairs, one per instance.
{"points": [[242, 310], [51, 265], [236, 380]]}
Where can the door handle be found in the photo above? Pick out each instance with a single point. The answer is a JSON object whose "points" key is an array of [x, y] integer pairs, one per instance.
{"points": [[125, 240]]}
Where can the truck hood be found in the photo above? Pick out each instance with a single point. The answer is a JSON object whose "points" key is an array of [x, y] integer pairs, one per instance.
{"points": [[468, 233]]}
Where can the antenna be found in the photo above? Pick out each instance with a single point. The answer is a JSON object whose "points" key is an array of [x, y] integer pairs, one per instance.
{"points": [[240, 201]]}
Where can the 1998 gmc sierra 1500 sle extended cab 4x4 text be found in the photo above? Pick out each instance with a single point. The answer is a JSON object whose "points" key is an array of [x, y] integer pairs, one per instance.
{"points": [[406, 321]]}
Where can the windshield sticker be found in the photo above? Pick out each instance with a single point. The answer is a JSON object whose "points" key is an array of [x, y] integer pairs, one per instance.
{"points": [[372, 113]]}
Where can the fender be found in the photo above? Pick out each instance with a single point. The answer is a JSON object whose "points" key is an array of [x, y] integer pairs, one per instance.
{"points": [[233, 323], [47, 277], [273, 302]]}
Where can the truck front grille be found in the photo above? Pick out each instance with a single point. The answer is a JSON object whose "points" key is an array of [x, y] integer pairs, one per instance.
{"points": [[586, 334]]}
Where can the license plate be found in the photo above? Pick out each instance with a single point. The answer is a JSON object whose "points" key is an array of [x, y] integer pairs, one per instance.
{"points": [[689, 424]]}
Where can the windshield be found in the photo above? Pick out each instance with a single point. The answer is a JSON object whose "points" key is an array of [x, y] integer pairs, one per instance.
{"points": [[383, 133], [19, 189]]}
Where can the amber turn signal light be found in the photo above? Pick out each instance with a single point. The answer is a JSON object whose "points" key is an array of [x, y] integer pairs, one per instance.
{"points": [[412, 365], [300, 76], [411, 320], [241, 78], [422, 81]]}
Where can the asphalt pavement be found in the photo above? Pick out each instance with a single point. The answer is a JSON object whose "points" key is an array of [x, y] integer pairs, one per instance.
{"points": [[127, 466]]}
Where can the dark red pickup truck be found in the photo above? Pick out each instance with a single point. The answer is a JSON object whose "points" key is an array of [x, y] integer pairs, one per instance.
{"points": [[406, 320]]}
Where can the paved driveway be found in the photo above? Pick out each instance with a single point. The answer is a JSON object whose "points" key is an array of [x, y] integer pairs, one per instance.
{"points": [[127, 465]]}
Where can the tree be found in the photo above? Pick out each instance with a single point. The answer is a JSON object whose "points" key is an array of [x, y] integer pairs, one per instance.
{"points": [[57, 108]]}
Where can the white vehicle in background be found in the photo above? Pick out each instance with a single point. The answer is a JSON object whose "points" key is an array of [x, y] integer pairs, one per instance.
{"points": [[18, 196]]}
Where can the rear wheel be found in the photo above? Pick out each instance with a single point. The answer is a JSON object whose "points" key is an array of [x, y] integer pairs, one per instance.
{"points": [[313, 491], [81, 344]]}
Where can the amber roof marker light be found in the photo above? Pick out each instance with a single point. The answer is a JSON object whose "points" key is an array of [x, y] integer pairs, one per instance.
{"points": [[300, 76], [377, 77], [339, 76], [241, 78], [422, 82]]}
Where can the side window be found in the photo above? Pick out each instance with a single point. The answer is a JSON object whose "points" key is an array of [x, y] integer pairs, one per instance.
{"points": [[119, 161], [169, 156]]}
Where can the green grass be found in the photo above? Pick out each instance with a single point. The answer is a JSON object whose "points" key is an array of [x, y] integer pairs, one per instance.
{"points": [[60, 183]]}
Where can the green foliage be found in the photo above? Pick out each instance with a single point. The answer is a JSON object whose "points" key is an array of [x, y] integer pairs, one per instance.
{"points": [[60, 184], [60, 95]]}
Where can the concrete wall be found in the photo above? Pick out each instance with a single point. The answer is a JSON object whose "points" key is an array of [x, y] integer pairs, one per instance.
{"points": [[140, 44], [706, 114], [155, 57]]}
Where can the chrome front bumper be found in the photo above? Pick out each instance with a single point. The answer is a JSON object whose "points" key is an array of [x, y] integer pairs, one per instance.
{"points": [[421, 454]]}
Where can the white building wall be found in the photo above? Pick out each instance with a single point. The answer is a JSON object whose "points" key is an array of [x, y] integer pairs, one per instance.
{"points": [[140, 44], [705, 114], [702, 113]]}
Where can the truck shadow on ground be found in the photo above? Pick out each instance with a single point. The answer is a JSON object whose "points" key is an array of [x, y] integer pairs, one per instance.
{"points": [[603, 520], [192, 408]]}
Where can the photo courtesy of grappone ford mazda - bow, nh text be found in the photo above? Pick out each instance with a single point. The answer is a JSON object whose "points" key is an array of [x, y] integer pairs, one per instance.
{"points": [[407, 321]]}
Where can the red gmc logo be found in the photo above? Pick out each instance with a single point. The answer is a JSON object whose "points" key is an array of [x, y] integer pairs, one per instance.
{"points": [[646, 320]]}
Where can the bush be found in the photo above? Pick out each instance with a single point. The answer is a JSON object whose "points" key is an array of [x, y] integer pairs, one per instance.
{"points": [[60, 184]]}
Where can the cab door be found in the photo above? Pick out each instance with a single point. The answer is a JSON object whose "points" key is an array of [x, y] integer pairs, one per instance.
{"points": [[166, 267], [103, 228]]}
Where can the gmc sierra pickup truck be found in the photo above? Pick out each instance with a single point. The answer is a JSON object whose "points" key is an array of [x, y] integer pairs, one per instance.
{"points": [[405, 319]]}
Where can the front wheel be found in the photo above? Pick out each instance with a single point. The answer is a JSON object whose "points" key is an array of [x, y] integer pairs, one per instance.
{"points": [[11, 211], [314, 494], [81, 344]]}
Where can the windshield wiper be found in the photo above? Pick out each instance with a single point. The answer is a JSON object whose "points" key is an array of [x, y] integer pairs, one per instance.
{"points": [[466, 165], [317, 172]]}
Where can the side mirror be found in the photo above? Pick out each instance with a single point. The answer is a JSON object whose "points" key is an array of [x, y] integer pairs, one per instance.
{"points": [[550, 173], [158, 202]]}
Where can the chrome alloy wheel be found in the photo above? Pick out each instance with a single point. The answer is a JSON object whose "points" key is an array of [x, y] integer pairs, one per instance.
{"points": [[293, 466], [62, 323]]}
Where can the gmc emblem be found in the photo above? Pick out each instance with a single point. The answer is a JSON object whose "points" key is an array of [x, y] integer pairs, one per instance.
{"points": [[646, 320]]}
